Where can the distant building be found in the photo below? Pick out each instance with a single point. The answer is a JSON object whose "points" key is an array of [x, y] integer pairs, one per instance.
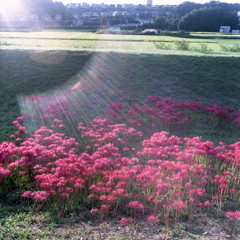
{"points": [[34, 18], [85, 5], [235, 31], [117, 14], [58, 17], [72, 5], [118, 29], [46, 18], [225, 29], [149, 2]]}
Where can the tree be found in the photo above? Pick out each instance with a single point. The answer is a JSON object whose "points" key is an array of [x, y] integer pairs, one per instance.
{"points": [[160, 22], [208, 20], [186, 7], [59, 8], [103, 19]]}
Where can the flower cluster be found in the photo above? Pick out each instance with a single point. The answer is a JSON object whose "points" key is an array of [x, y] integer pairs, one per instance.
{"points": [[117, 167]]}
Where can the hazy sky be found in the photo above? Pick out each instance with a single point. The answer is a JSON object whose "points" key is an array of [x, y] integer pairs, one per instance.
{"points": [[155, 2]]}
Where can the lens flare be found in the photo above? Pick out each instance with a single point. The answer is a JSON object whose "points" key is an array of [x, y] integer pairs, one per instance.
{"points": [[12, 6], [81, 98], [48, 57]]}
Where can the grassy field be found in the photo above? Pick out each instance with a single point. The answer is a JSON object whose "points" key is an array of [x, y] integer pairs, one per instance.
{"points": [[79, 67], [87, 40]]}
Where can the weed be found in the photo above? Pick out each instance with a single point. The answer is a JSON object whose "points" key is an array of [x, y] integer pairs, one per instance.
{"points": [[203, 47], [161, 45], [230, 48], [182, 45]]}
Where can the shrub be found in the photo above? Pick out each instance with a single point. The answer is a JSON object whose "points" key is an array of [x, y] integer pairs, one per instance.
{"points": [[230, 48], [182, 45], [203, 48], [161, 45]]}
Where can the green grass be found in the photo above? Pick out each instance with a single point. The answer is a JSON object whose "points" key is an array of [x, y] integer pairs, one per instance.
{"points": [[87, 40], [118, 77], [18, 221]]}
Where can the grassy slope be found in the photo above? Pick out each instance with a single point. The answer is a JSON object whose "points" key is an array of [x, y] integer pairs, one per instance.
{"points": [[117, 77]]}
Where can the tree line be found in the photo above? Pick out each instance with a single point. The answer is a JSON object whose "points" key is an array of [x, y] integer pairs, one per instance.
{"points": [[191, 16], [188, 16]]}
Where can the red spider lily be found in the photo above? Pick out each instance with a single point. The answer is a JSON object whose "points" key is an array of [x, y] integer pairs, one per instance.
{"points": [[153, 219], [167, 173], [135, 205], [233, 215], [104, 207], [205, 204], [124, 221], [179, 205], [232, 191], [94, 211]]}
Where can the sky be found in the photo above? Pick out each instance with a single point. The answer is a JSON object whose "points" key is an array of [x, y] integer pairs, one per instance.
{"points": [[155, 2]]}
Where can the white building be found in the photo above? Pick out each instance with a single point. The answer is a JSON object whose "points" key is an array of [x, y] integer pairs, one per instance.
{"points": [[34, 18], [117, 14], [72, 5], [225, 29], [235, 31]]}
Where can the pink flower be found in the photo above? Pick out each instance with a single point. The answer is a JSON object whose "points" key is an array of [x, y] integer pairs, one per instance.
{"points": [[233, 215], [227, 173], [104, 207], [103, 198], [153, 219], [135, 204], [205, 204], [124, 221], [232, 191], [40, 195], [192, 200], [26, 194], [91, 196], [179, 205], [94, 211]]}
